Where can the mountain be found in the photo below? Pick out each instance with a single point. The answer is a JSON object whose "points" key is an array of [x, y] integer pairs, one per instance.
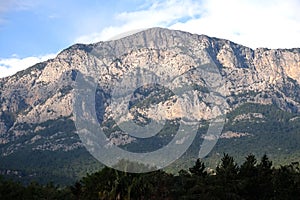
{"points": [[260, 92]]}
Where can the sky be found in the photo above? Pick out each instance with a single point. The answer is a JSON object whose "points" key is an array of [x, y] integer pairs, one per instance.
{"points": [[32, 31]]}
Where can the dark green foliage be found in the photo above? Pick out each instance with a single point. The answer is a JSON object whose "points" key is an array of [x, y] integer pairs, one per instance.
{"points": [[8, 118], [161, 139], [38, 66], [113, 184], [199, 169], [42, 166], [276, 133], [251, 180], [65, 90], [248, 168], [228, 168], [201, 88], [149, 95], [12, 190]]}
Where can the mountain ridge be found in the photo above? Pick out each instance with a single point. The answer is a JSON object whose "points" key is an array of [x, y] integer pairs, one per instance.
{"points": [[83, 46], [230, 59], [36, 100]]}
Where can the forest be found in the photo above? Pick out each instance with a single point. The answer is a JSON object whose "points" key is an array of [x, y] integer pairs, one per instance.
{"points": [[253, 179]]}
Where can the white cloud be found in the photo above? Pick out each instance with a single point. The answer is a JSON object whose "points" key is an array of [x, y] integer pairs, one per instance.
{"points": [[6, 6], [160, 14], [10, 66], [272, 24], [254, 23]]}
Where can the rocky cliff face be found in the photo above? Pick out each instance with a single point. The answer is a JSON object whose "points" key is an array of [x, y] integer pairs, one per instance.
{"points": [[45, 91]]}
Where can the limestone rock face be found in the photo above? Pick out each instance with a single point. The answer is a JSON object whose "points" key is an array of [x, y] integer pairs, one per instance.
{"points": [[45, 91]]}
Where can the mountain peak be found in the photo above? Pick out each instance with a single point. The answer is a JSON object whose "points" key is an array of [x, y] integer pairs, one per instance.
{"points": [[36, 103]]}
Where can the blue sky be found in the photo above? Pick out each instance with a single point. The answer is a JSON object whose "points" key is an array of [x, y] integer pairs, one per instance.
{"points": [[35, 30]]}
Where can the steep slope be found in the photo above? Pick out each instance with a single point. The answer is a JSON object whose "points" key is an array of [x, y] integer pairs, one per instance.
{"points": [[36, 112]]}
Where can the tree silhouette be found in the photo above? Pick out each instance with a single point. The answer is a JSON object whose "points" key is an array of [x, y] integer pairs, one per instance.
{"points": [[251, 180], [228, 169], [198, 169], [226, 176]]}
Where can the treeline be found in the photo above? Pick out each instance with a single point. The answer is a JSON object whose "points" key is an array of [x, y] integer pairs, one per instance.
{"points": [[251, 180]]}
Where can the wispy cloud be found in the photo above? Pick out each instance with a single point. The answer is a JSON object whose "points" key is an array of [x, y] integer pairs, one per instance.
{"points": [[8, 5], [17, 5], [254, 23], [10, 66], [162, 14], [4, 6], [270, 23]]}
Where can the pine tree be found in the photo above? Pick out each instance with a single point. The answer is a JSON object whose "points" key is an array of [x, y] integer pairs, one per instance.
{"points": [[198, 169]]}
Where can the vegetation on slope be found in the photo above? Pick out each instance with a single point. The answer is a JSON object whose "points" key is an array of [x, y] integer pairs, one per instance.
{"points": [[251, 180]]}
